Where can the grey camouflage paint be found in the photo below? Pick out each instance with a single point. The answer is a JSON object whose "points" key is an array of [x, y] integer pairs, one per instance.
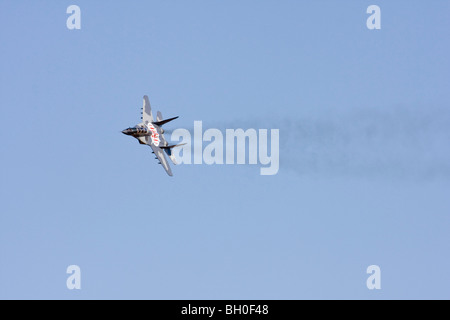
{"points": [[150, 133]]}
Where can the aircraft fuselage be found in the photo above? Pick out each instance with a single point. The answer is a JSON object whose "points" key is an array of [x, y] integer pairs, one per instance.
{"points": [[137, 132]]}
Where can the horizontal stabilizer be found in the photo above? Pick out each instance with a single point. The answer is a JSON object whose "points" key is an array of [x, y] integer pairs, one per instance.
{"points": [[170, 147], [160, 123]]}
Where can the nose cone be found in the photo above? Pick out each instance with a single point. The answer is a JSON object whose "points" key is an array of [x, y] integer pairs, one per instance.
{"points": [[126, 131]]}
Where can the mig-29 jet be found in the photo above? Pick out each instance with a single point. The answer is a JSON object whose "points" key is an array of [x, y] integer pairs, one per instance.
{"points": [[149, 132]]}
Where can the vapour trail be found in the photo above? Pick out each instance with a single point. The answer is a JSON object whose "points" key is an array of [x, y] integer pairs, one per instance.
{"points": [[397, 142]]}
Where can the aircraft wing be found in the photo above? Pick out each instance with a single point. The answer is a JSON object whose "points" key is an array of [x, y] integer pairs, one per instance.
{"points": [[147, 115], [159, 153]]}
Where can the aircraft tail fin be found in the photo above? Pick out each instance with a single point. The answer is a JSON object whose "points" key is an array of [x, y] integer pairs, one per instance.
{"points": [[174, 161], [159, 116], [168, 150]]}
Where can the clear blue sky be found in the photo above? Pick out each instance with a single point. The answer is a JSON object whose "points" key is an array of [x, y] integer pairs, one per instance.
{"points": [[364, 168]]}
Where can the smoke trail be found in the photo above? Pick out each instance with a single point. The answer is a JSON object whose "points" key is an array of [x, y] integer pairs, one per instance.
{"points": [[400, 142]]}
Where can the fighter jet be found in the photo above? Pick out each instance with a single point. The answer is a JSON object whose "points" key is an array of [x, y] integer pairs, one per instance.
{"points": [[151, 133]]}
